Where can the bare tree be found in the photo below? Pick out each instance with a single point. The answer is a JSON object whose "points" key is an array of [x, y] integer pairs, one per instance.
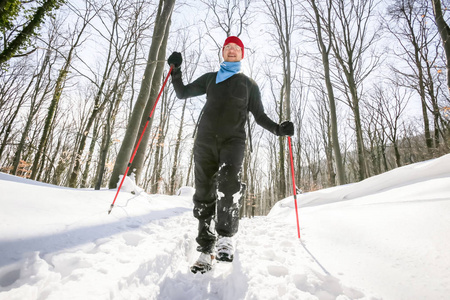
{"points": [[42, 88], [138, 162], [281, 14], [113, 108], [389, 103], [324, 120], [324, 45], [161, 25], [312, 138], [59, 87], [351, 42], [430, 56], [122, 41], [14, 89], [157, 176], [376, 139], [190, 66], [409, 31]]}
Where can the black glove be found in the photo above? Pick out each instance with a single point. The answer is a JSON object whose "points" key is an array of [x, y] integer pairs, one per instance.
{"points": [[285, 128], [175, 59]]}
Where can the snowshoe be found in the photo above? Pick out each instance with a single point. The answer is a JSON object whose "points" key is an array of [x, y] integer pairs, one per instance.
{"points": [[224, 249], [203, 264]]}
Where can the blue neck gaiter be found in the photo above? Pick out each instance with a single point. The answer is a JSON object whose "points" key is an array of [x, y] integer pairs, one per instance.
{"points": [[227, 69]]}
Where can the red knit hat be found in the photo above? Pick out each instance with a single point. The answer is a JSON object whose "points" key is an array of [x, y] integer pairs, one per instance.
{"points": [[235, 40]]}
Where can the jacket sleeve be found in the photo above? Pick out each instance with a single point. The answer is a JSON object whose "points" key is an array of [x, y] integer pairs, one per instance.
{"points": [[196, 88], [257, 109]]}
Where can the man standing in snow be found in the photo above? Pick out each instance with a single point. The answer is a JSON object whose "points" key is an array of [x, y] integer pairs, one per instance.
{"points": [[219, 147]]}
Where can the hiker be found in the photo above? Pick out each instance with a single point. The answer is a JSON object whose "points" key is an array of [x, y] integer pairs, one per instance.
{"points": [[219, 148]]}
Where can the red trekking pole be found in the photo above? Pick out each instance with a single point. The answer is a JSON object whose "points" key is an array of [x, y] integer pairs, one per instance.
{"points": [[293, 184], [140, 139]]}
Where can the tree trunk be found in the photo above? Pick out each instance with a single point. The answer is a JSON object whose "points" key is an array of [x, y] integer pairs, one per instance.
{"points": [[397, 154], [138, 162], [245, 178], [34, 107], [85, 176], [100, 104], [329, 154], [426, 122], [363, 172], [50, 117], [349, 46], [7, 129], [107, 132], [176, 155], [189, 171], [157, 177], [106, 140], [59, 87], [331, 99]]}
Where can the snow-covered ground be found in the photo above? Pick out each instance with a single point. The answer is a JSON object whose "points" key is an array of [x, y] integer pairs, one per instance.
{"points": [[387, 237]]}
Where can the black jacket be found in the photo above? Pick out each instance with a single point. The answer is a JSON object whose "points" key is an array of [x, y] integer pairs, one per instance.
{"points": [[227, 104]]}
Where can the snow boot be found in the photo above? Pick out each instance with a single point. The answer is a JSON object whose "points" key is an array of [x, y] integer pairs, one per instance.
{"points": [[225, 249], [203, 264]]}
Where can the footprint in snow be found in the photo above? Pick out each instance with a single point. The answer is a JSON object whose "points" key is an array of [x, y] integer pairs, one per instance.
{"points": [[132, 239]]}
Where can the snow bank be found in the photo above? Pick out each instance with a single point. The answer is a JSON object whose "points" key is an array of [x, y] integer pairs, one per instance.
{"points": [[386, 234], [396, 178], [382, 238]]}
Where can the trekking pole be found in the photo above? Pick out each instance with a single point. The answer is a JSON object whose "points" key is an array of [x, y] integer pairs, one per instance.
{"points": [[140, 139], [293, 184]]}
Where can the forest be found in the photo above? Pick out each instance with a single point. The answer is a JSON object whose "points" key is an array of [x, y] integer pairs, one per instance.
{"points": [[366, 83]]}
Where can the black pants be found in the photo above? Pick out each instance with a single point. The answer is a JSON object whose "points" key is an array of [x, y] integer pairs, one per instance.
{"points": [[217, 188]]}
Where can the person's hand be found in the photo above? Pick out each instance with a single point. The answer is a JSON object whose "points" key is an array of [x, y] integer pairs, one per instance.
{"points": [[175, 59], [285, 128]]}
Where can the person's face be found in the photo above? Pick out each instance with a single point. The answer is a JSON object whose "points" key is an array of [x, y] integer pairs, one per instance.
{"points": [[232, 53]]}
